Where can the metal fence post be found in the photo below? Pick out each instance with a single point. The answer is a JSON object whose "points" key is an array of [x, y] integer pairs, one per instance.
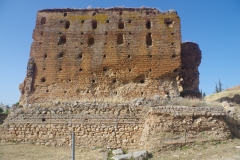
{"points": [[73, 146]]}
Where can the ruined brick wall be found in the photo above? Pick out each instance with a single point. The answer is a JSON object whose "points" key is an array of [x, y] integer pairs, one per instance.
{"points": [[191, 58], [98, 53]]}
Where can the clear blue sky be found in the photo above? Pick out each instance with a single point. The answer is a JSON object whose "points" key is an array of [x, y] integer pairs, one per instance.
{"points": [[214, 25]]}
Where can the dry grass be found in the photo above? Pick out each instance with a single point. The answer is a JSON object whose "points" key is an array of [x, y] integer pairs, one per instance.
{"points": [[194, 102], [226, 150], [225, 93], [15, 151], [209, 151]]}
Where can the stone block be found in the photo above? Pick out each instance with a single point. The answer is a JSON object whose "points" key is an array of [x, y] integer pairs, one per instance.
{"points": [[117, 152]]}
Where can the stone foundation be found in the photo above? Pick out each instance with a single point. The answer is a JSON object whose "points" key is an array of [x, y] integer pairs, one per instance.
{"points": [[127, 125]]}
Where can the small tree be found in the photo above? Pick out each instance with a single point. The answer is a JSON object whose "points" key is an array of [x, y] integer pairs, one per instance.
{"points": [[218, 87], [204, 94], [1, 110]]}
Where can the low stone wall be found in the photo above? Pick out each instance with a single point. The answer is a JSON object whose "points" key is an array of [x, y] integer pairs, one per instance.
{"points": [[115, 125], [3, 117]]}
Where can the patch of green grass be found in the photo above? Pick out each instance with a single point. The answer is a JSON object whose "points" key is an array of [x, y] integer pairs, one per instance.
{"points": [[13, 141], [150, 155], [185, 147], [216, 142], [32, 142], [109, 155], [125, 151], [97, 147]]}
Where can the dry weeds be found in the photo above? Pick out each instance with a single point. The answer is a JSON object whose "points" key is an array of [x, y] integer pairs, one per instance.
{"points": [[227, 150]]}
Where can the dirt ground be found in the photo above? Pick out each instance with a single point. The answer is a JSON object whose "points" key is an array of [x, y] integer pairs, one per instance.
{"points": [[228, 150]]}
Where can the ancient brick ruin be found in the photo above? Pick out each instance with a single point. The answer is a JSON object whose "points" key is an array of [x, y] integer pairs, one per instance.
{"points": [[108, 53], [87, 65]]}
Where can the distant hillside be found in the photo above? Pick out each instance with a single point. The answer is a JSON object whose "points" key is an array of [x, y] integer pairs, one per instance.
{"points": [[231, 95]]}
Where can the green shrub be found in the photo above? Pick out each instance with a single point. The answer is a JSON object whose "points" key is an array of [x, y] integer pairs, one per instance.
{"points": [[1, 110]]}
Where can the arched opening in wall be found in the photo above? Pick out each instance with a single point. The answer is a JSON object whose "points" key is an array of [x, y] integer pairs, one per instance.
{"points": [[106, 33], [43, 79], [67, 24], [174, 56], [44, 68], [129, 56], [114, 80], [45, 56], [62, 40], [120, 25], [60, 55], [149, 39], [129, 21], [130, 70], [43, 20], [120, 39], [150, 56], [90, 41], [176, 70], [150, 70], [64, 14], [94, 24], [168, 21], [60, 69], [43, 119], [139, 79], [148, 24], [47, 90], [141, 93], [104, 56], [82, 21], [105, 69], [107, 21], [93, 81], [79, 56], [80, 69]]}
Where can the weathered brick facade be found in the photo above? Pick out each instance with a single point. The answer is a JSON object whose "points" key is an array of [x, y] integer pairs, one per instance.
{"points": [[98, 53]]}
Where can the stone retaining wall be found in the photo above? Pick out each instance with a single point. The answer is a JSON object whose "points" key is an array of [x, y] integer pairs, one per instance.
{"points": [[115, 125]]}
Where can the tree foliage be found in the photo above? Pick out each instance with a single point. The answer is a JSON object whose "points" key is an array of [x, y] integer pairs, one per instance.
{"points": [[218, 87]]}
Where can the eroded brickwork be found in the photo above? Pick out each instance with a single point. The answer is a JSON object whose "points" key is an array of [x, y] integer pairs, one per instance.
{"points": [[99, 53], [191, 58]]}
